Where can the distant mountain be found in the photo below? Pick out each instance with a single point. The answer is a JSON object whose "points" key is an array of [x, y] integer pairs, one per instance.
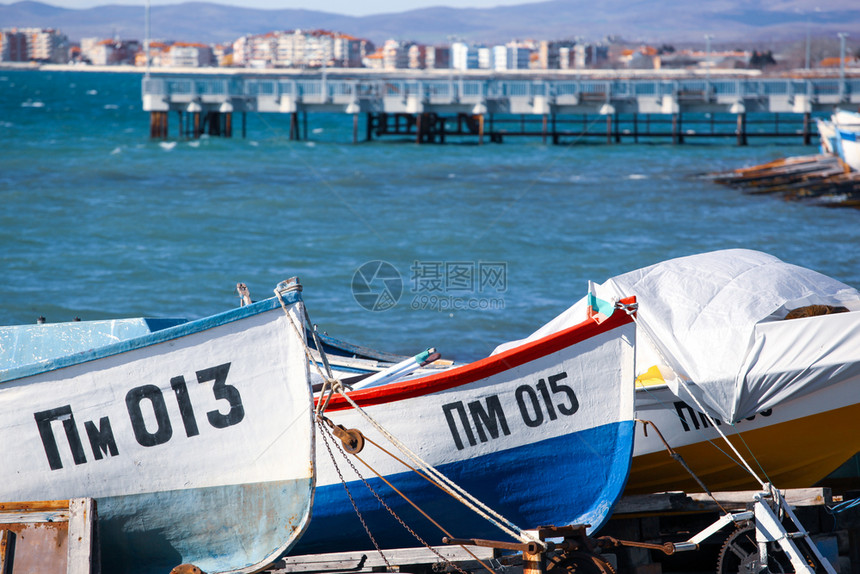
{"points": [[646, 20]]}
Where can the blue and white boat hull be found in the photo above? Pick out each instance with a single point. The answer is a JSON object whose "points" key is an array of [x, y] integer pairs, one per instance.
{"points": [[196, 440], [542, 433]]}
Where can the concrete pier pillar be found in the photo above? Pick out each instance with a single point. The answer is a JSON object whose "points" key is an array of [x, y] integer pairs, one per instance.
{"points": [[741, 129], [677, 129], [294, 126], [196, 121], [354, 128], [543, 129], [807, 132]]}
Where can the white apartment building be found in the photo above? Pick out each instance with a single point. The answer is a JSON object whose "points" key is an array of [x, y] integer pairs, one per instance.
{"points": [[41, 44], [47, 45], [297, 49], [511, 56], [395, 55], [185, 55], [485, 58], [464, 56]]}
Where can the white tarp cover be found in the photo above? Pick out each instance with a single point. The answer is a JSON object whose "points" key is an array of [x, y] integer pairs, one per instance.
{"points": [[717, 320]]}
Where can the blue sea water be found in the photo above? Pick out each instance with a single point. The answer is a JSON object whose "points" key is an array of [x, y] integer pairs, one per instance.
{"points": [[485, 242]]}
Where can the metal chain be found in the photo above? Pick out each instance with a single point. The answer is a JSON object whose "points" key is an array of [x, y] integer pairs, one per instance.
{"points": [[462, 494], [384, 504], [325, 435]]}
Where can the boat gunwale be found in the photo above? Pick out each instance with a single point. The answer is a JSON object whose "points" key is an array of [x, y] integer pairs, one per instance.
{"points": [[486, 367], [161, 336]]}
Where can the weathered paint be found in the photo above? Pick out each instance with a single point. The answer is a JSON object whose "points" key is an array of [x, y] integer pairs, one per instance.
{"points": [[795, 445], [232, 527], [26, 344], [567, 465], [194, 439]]}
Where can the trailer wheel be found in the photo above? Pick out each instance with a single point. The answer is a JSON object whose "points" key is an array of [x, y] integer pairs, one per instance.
{"points": [[578, 563], [739, 555]]}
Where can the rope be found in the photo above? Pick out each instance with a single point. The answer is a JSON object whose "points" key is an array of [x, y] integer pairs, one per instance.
{"points": [[424, 514], [843, 506], [752, 454], [326, 437], [683, 381], [328, 382], [387, 507], [681, 460], [459, 493], [666, 406], [335, 385]]}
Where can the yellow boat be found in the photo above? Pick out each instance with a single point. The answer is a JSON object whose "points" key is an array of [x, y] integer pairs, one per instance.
{"points": [[768, 351]]}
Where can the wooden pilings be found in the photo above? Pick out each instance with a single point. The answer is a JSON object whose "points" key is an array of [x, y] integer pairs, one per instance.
{"points": [[677, 129], [194, 124], [432, 127], [742, 129], [158, 125]]}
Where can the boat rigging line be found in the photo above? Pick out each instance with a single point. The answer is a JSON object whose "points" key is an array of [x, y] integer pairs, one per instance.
{"points": [[328, 433], [685, 383], [354, 440]]}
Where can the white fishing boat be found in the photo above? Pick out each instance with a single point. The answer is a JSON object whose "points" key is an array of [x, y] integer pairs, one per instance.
{"points": [[783, 389], [828, 137], [541, 434], [195, 439], [847, 126]]}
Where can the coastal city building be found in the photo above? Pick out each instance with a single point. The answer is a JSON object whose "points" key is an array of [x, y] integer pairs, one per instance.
{"points": [[315, 49], [34, 45], [188, 55], [101, 52], [13, 46], [299, 49]]}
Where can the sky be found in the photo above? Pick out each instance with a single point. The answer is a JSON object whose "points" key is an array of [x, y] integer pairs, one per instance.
{"points": [[350, 7]]}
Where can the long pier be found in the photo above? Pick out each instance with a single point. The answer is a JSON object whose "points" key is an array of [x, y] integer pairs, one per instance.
{"points": [[432, 106]]}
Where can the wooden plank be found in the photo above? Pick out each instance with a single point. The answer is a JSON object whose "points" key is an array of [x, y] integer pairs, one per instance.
{"points": [[794, 496], [82, 520], [657, 502], [667, 502], [34, 517], [49, 537], [35, 505], [368, 560], [7, 551]]}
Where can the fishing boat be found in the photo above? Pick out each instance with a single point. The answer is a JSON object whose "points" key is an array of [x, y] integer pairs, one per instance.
{"points": [[828, 136], [541, 434], [784, 390], [755, 343], [194, 438], [847, 126]]}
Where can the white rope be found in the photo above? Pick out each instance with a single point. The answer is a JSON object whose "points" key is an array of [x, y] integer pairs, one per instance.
{"points": [[459, 492], [328, 382], [683, 380]]}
